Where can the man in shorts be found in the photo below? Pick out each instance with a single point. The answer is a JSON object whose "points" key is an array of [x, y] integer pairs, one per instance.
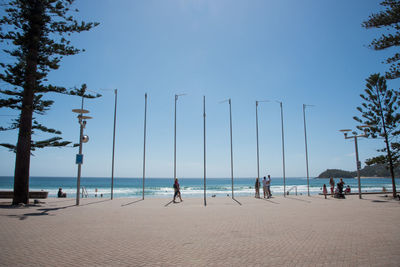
{"points": [[264, 186], [269, 186]]}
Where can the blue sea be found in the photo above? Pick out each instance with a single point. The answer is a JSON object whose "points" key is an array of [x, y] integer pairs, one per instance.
{"points": [[190, 187]]}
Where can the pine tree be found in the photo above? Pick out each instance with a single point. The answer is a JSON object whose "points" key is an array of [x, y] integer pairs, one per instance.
{"points": [[380, 111], [389, 19], [35, 34]]}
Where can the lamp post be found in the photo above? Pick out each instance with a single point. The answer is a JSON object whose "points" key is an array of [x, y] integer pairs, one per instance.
{"points": [[113, 151], [283, 151], [82, 139], [358, 163], [305, 142], [144, 140], [258, 151], [230, 122], [204, 134], [176, 99]]}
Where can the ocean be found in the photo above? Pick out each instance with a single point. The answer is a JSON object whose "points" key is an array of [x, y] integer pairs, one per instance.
{"points": [[190, 187]]}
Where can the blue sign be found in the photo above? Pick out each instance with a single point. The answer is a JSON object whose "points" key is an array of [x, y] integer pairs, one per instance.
{"points": [[79, 159]]}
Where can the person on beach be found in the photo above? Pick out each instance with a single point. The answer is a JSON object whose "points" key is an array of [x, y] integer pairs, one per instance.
{"points": [[177, 190], [332, 184], [269, 187], [340, 189], [324, 190], [61, 193], [265, 186], [347, 190], [257, 188]]}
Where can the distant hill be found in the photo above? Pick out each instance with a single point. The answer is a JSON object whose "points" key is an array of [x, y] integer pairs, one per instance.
{"points": [[335, 173], [377, 170]]}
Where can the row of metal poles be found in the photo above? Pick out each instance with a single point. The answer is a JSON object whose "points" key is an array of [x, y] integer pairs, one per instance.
{"points": [[82, 123], [231, 144]]}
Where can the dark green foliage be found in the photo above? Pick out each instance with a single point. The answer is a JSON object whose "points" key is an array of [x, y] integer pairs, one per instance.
{"points": [[380, 111], [53, 23], [33, 32], [390, 20]]}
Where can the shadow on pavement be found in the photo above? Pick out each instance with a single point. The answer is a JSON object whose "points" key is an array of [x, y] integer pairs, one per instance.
{"points": [[42, 212], [298, 199], [172, 201], [95, 202], [269, 200], [237, 201], [133, 202]]}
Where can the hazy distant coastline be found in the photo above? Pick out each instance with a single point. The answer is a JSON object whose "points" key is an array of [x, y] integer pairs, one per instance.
{"points": [[368, 172]]}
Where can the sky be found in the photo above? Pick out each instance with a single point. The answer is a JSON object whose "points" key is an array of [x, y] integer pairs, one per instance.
{"points": [[299, 52]]}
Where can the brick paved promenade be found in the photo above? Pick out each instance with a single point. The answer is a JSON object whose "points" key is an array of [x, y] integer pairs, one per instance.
{"points": [[292, 231]]}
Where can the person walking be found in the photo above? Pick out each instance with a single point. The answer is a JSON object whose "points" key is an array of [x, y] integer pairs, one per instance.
{"points": [[257, 188], [265, 186], [177, 190], [332, 184], [269, 187]]}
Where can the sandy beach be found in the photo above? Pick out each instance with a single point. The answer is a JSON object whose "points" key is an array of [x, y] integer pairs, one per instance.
{"points": [[291, 231]]}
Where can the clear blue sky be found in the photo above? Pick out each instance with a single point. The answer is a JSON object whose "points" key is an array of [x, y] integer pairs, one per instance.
{"points": [[298, 52]]}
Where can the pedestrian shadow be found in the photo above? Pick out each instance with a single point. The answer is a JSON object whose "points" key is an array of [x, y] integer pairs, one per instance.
{"points": [[298, 199], [269, 200], [172, 201], [133, 202]]}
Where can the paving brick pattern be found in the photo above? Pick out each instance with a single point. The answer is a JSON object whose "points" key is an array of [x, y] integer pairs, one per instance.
{"points": [[291, 231]]}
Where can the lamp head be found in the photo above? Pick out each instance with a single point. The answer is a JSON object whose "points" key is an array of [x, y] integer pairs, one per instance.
{"points": [[85, 139], [345, 131]]}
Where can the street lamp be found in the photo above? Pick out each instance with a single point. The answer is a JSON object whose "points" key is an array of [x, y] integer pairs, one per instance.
{"points": [[144, 141], [204, 135], [113, 148], [82, 139], [258, 151], [230, 121], [176, 99], [305, 141], [283, 151], [358, 163], [113, 151]]}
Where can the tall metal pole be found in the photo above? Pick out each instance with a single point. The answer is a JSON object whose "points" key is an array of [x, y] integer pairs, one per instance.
{"points": [[258, 158], [283, 152], [230, 117], [81, 125], [305, 141], [144, 141], [204, 127], [358, 163], [113, 153], [78, 185], [358, 167], [176, 98]]}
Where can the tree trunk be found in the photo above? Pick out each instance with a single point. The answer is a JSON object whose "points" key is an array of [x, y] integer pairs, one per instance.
{"points": [[389, 154], [391, 168], [23, 153]]}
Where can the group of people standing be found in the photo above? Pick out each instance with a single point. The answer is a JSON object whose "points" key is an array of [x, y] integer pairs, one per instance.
{"points": [[338, 192], [266, 187]]}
